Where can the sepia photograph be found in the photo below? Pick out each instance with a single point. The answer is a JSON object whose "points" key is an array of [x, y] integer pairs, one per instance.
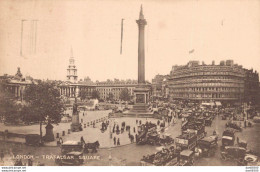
{"points": [[130, 83]]}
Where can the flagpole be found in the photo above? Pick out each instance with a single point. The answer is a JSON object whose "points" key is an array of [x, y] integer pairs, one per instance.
{"points": [[122, 29]]}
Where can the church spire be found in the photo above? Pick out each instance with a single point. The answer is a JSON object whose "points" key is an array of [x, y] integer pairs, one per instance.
{"points": [[141, 15], [71, 52]]}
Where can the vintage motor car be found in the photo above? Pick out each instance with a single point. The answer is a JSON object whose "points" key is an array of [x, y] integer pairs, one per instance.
{"points": [[234, 125], [234, 153], [224, 117], [251, 160], [208, 121], [242, 143], [186, 158], [166, 140], [228, 138], [201, 119], [187, 140], [33, 139], [70, 159], [208, 145], [71, 146]]}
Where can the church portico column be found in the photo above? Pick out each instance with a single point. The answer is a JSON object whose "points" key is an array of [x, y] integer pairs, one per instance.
{"points": [[77, 91], [15, 90], [19, 91]]}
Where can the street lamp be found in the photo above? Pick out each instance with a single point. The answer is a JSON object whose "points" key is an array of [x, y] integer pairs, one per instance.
{"points": [[110, 140]]}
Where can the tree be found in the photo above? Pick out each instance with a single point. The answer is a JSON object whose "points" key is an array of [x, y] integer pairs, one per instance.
{"points": [[83, 94], [9, 109], [110, 97], [95, 94], [43, 104], [124, 95]]}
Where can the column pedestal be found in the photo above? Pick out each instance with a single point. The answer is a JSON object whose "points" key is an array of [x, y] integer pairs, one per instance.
{"points": [[141, 99]]}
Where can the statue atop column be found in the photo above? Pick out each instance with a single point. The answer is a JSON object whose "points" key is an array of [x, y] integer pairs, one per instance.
{"points": [[142, 90]]}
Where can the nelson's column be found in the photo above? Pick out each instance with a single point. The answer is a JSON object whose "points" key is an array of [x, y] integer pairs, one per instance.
{"points": [[142, 91]]}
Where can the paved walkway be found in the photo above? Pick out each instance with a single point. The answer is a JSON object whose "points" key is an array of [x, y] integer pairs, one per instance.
{"points": [[35, 129], [91, 134], [132, 153]]}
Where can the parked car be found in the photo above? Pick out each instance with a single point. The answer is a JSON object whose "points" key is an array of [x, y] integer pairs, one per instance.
{"points": [[186, 158], [33, 139], [228, 138], [71, 146], [234, 153], [208, 145]]}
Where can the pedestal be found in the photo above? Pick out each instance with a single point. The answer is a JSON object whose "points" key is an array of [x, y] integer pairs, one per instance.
{"points": [[76, 125], [141, 94], [141, 107], [49, 136]]}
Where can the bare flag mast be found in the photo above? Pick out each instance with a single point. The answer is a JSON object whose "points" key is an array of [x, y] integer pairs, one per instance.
{"points": [[122, 30], [28, 37]]}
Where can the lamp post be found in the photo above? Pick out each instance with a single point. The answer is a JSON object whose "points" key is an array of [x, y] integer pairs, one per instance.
{"points": [[110, 140]]}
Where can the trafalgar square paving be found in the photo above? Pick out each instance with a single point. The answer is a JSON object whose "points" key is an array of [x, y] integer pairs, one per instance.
{"points": [[126, 153]]}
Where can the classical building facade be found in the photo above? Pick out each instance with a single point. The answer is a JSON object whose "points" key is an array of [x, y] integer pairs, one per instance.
{"points": [[160, 89], [69, 89], [226, 82], [16, 84], [105, 88]]}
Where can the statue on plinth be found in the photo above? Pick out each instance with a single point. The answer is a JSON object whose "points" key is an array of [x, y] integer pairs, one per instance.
{"points": [[76, 125]]}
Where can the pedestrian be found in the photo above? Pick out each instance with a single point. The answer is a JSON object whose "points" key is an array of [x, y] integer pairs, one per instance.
{"points": [[30, 161], [237, 140], [18, 162], [117, 128], [134, 129], [114, 140], [245, 123], [83, 113], [132, 138], [118, 142], [60, 140], [2, 155], [82, 140], [114, 129], [214, 133]]}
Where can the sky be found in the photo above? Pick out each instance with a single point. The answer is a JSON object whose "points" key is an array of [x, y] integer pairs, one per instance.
{"points": [[212, 29]]}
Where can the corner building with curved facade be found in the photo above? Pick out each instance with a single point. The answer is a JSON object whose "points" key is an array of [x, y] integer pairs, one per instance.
{"points": [[226, 82]]}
